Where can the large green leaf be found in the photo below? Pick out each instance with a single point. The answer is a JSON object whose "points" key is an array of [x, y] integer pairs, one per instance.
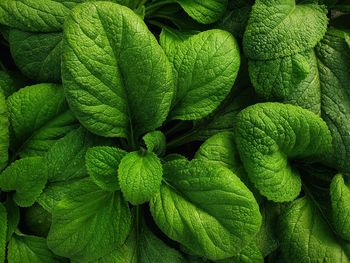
{"points": [[206, 65], [88, 223], [39, 116], [142, 246], [4, 132], [268, 135], [140, 176], [279, 28], [29, 249], [205, 12], [102, 165], [37, 55], [119, 83], [340, 199], [206, 208], [306, 236], [27, 177]]}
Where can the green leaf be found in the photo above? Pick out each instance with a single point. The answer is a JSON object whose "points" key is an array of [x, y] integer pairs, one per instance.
{"points": [[205, 12], [39, 116], [268, 135], [340, 198], [38, 56], [4, 132], [143, 247], [334, 66], [12, 216], [36, 220], [29, 249], [249, 254], [292, 79], [206, 66], [306, 236], [88, 223], [155, 142], [119, 83], [140, 176], [102, 165], [27, 177], [281, 28], [10, 82], [3, 232], [206, 208]]}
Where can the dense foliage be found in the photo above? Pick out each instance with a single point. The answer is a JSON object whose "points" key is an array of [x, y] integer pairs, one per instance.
{"points": [[175, 131]]}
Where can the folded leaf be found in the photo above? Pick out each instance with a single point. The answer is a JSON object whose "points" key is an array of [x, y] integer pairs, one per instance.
{"points": [[340, 199], [88, 223], [4, 132], [39, 116], [306, 236], [3, 232], [29, 249], [280, 28], [102, 165], [140, 176], [205, 12], [206, 66], [119, 83], [27, 177], [37, 55], [206, 208], [270, 134], [155, 142]]}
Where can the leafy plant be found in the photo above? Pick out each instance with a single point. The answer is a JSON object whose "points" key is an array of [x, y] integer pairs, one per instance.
{"points": [[174, 131]]}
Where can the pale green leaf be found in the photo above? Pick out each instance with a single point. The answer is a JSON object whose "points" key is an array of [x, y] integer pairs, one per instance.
{"points": [[140, 176], [269, 135], [206, 208], [119, 83], [27, 177], [102, 165], [88, 223]]}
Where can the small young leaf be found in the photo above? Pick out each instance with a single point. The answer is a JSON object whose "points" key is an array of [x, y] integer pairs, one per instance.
{"points": [[88, 223], [140, 176], [205, 12], [268, 135], [206, 208], [3, 232], [30, 249], [155, 142], [27, 177], [102, 165], [39, 116], [340, 199]]}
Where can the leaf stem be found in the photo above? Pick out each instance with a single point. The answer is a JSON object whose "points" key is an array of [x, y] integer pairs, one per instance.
{"points": [[155, 6]]}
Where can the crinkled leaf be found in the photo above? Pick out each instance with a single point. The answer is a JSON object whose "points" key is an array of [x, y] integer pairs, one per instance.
{"points": [[39, 116], [119, 83], [143, 247], [155, 142], [10, 82], [206, 208], [4, 132], [102, 165], [249, 254], [206, 66], [29, 249], [140, 176], [27, 177], [306, 236], [340, 199], [3, 232], [205, 12], [268, 135], [88, 223], [279, 28], [37, 55]]}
